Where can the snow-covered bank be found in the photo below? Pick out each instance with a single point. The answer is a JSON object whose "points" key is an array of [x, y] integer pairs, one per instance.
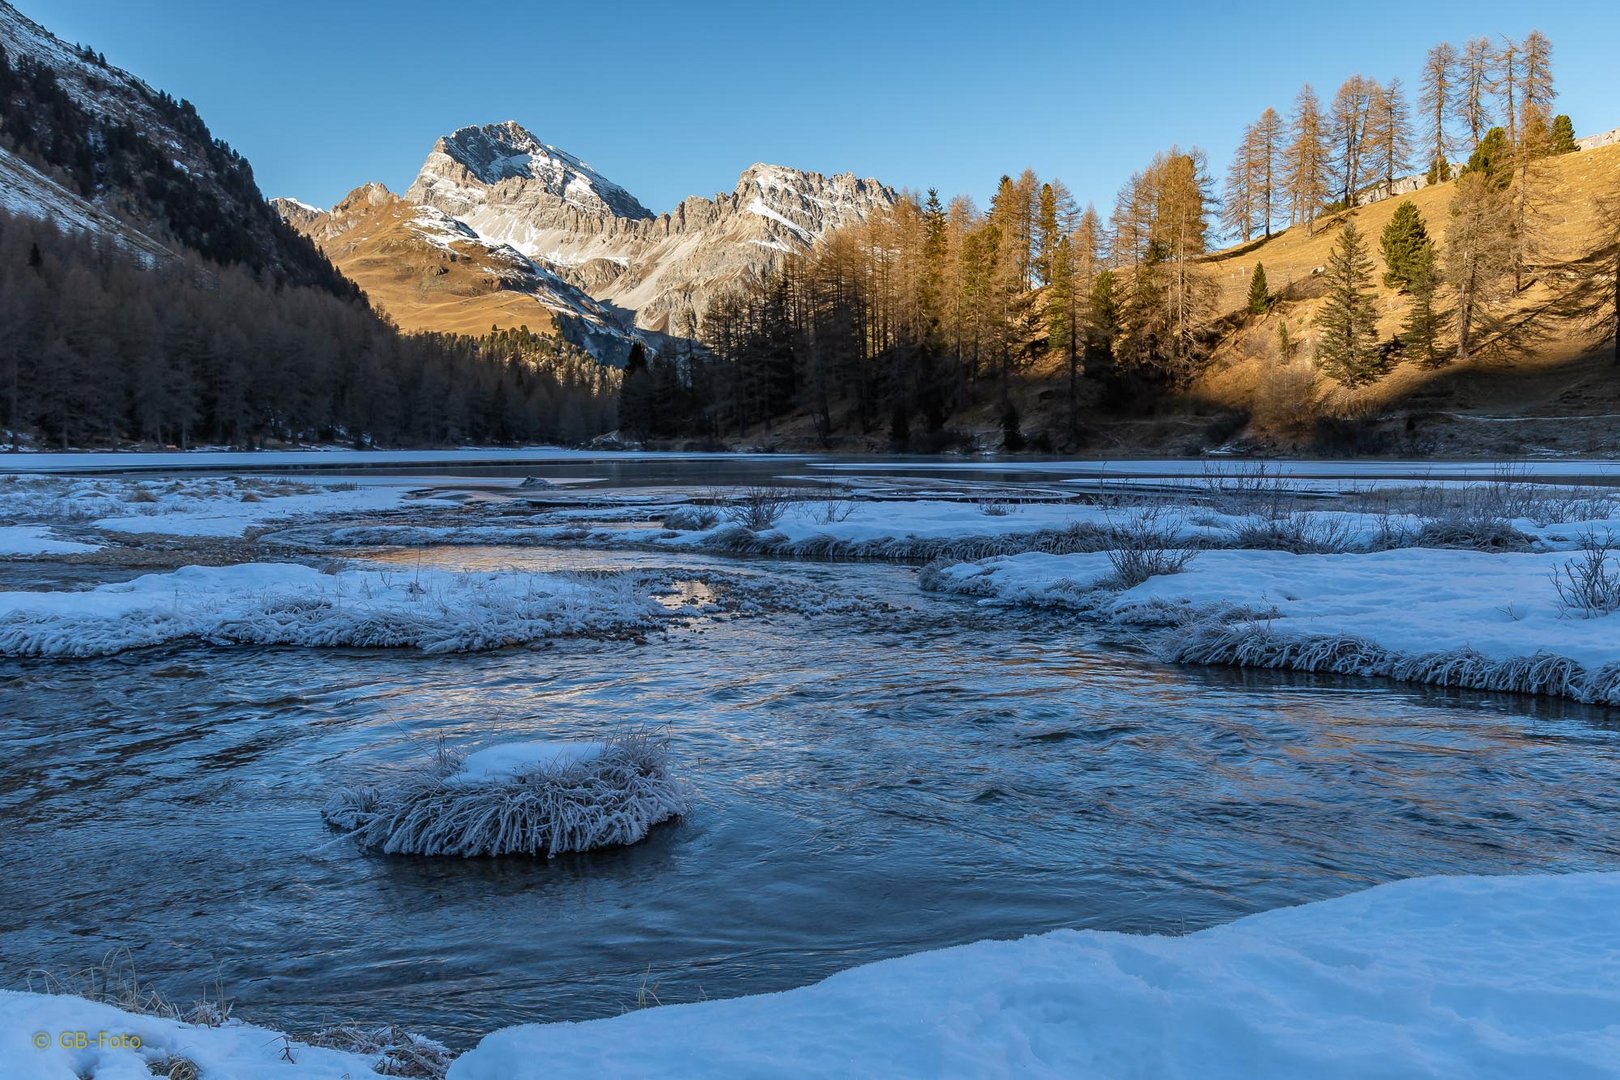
{"points": [[1448, 617], [235, 1050], [191, 506], [1435, 977], [291, 604], [38, 540], [1501, 977]]}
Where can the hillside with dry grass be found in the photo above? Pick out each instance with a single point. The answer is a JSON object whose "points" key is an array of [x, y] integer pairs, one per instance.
{"points": [[423, 274], [1550, 385]]}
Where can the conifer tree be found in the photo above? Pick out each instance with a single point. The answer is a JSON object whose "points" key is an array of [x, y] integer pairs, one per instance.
{"points": [[1420, 334], [1063, 318], [1405, 244], [1012, 433], [1239, 204], [1563, 135], [1102, 310], [1348, 127], [1259, 294], [1492, 159], [1347, 337], [1388, 133], [1287, 345], [1505, 76], [1047, 234], [1268, 136]]}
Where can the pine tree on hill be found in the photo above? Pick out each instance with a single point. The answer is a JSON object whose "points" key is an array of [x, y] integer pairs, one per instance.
{"points": [[1563, 134], [1405, 243], [1347, 339], [1259, 294], [1425, 322], [1492, 159]]}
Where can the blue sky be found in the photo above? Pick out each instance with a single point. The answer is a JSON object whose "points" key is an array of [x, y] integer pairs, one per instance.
{"points": [[677, 99]]}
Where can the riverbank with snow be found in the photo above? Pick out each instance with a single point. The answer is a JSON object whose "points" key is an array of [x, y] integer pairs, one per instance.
{"points": [[1504, 977], [292, 604], [1495, 621]]}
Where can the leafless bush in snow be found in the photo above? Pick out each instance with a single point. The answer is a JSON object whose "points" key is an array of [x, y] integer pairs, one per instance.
{"points": [[1588, 585], [832, 511], [1147, 545], [759, 508]]}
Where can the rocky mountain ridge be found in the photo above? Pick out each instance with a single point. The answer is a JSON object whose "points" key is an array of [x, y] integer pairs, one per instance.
{"points": [[431, 271], [660, 271]]}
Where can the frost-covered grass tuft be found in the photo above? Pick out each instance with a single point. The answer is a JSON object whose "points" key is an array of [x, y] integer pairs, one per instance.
{"points": [[397, 1052], [115, 982], [692, 518], [1296, 531], [1473, 531], [1256, 645], [612, 798]]}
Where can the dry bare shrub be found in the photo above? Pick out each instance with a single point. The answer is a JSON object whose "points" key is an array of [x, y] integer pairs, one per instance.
{"points": [[1286, 402], [1588, 587], [1147, 545], [832, 511], [759, 508]]}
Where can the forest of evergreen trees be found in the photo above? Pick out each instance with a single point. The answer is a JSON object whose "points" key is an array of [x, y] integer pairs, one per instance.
{"points": [[217, 212], [248, 335], [896, 326], [98, 348]]}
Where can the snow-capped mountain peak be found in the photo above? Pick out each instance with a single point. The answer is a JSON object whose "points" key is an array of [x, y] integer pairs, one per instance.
{"points": [[489, 154]]}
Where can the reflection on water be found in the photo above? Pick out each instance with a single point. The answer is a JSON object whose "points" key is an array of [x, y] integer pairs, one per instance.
{"points": [[867, 788]]}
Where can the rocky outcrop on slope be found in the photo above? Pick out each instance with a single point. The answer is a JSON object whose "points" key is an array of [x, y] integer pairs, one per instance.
{"points": [[431, 271]]}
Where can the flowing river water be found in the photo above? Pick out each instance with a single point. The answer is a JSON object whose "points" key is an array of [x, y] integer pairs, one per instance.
{"points": [[927, 773]]}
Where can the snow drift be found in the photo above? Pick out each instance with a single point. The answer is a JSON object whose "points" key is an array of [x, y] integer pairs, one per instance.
{"points": [[517, 799], [292, 604], [1456, 618], [1463, 976], [1434, 977]]}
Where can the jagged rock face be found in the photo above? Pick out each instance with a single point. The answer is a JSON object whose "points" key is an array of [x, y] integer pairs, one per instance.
{"points": [[512, 189], [300, 215], [505, 164]]}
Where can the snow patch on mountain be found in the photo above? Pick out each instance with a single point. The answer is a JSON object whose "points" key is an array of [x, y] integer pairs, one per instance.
{"points": [[29, 193], [476, 157], [513, 190]]}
